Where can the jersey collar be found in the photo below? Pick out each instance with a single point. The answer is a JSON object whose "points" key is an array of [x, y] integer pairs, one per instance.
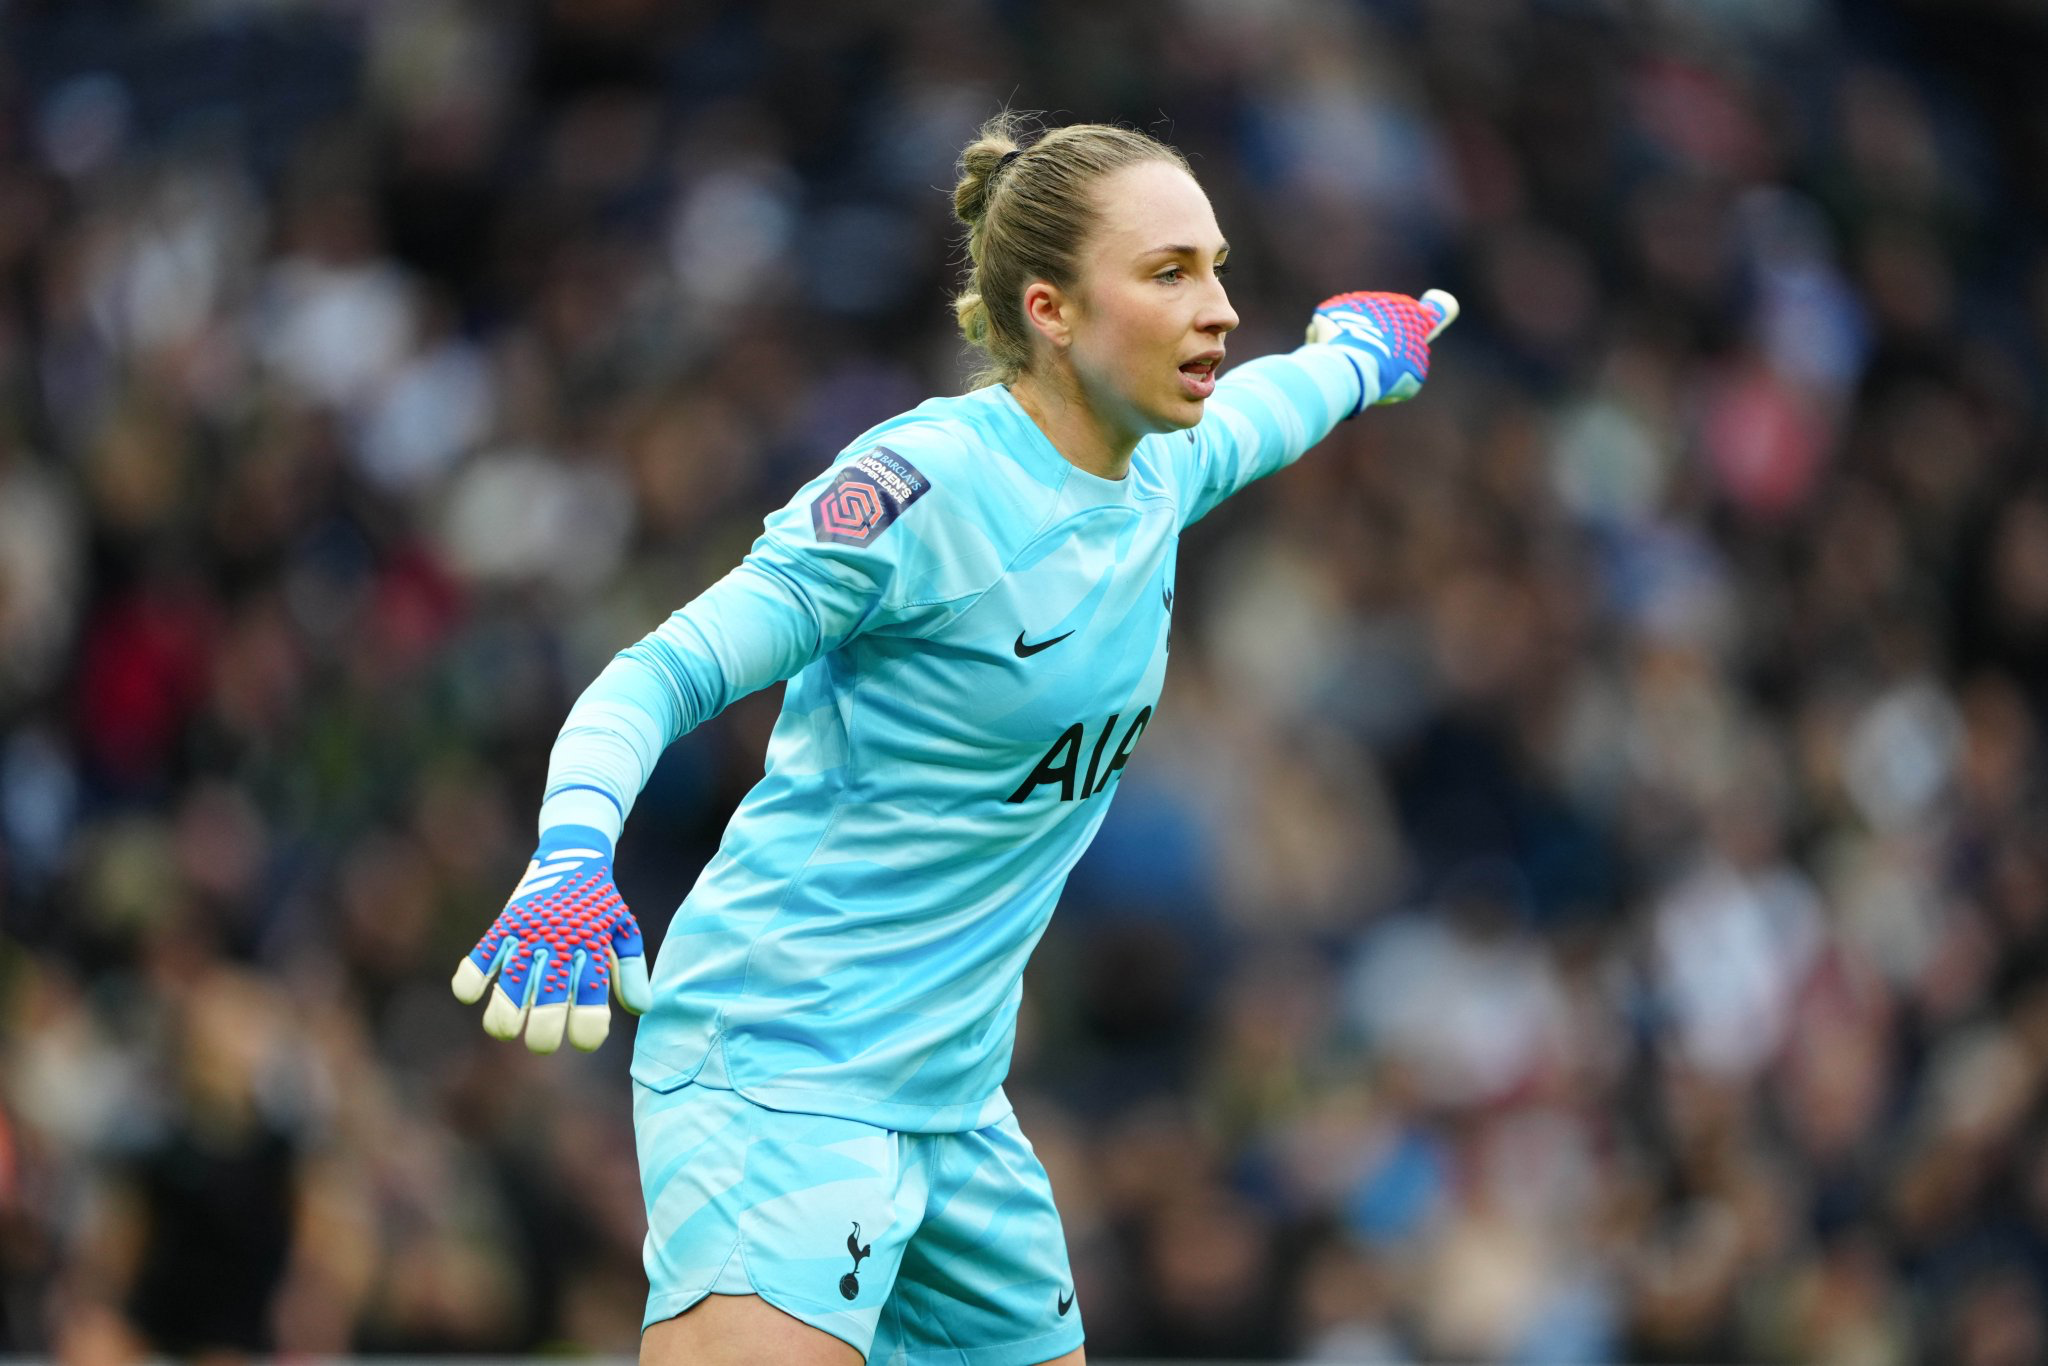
{"points": [[1024, 439]]}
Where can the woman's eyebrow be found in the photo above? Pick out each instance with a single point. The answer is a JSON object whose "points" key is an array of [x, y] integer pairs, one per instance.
{"points": [[1180, 249]]}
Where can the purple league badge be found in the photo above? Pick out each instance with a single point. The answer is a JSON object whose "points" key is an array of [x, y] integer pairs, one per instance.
{"points": [[867, 495]]}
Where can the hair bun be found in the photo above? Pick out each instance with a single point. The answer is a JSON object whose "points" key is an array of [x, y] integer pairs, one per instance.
{"points": [[979, 163]]}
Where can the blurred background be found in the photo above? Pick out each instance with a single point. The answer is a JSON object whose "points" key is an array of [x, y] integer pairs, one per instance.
{"points": [[1585, 896]]}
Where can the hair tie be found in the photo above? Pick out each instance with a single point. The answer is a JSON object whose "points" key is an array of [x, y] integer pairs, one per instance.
{"points": [[1006, 159]]}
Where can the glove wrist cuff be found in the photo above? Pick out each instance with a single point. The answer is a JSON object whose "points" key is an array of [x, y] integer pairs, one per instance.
{"points": [[1368, 377], [584, 807]]}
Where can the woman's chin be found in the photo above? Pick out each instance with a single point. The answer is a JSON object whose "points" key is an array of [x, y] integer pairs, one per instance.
{"points": [[1182, 413]]}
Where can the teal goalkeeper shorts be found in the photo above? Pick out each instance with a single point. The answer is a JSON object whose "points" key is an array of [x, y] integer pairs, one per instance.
{"points": [[916, 1249]]}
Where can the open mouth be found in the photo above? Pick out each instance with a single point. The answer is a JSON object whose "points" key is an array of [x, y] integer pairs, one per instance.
{"points": [[1198, 377]]}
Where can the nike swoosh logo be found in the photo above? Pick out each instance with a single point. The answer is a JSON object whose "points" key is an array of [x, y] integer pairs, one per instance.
{"points": [[1026, 651], [1066, 1303]]}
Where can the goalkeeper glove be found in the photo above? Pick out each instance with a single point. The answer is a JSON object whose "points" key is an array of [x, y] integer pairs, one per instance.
{"points": [[1390, 331], [563, 935]]}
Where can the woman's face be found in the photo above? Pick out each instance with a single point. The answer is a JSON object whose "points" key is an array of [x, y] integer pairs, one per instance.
{"points": [[1147, 316]]}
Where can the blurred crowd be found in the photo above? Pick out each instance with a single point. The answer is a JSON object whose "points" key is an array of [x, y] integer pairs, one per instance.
{"points": [[1584, 898]]}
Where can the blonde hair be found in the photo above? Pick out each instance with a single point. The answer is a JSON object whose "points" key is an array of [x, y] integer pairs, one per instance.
{"points": [[1028, 211]]}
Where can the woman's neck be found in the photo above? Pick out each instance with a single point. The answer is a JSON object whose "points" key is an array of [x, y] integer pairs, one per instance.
{"points": [[1076, 430]]}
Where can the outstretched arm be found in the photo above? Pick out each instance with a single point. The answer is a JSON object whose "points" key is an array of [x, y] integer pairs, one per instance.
{"points": [[1362, 349], [817, 576], [758, 625]]}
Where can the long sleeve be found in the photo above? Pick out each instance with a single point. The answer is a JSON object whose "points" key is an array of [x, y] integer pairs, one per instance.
{"points": [[1264, 414], [756, 626], [831, 564]]}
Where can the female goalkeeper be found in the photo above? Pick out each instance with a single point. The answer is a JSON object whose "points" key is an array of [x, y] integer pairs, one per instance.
{"points": [[971, 606]]}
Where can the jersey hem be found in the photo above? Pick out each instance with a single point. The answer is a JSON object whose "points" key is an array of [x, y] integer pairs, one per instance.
{"points": [[831, 1102]]}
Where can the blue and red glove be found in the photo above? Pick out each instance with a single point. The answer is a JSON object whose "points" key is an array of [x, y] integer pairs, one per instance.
{"points": [[1391, 331], [561, 938]]}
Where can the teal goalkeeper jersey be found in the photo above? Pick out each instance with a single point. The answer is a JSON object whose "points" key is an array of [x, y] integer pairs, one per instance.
{"points": [[975, 632]]}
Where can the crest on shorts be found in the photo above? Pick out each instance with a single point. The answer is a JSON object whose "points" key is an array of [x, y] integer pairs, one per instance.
{"points": [[866, 496], [849, 1284]]}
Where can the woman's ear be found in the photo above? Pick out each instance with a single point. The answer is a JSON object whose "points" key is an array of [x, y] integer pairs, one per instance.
{"points": [[1050, 310]]}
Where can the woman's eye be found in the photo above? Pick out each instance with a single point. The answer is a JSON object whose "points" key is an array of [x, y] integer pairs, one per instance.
{"points": [[1171, 274], [1222, 269]]}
